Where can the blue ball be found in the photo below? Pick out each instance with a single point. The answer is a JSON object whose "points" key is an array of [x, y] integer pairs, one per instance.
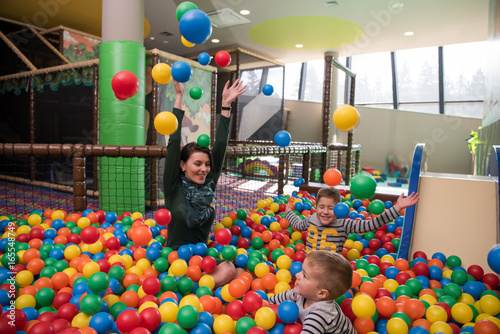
{"points": [[418, 330], [282, 138], [307, 206], [391, 227], [435, 273], [152, 254], [288, 311], [277, 329], [391, 272], [299, 206], [474, 289], [357, 203], [241, 260], [388, 204], [181, 71], [200, 249], [296, 183], [399, 221], [296, 268], [195, 26], [206, 318], [201, 328], [204, 58], [31, 313], [111, 217], [185, 252], [439, 256], [341, 210], [494, 258], [267, 90]]}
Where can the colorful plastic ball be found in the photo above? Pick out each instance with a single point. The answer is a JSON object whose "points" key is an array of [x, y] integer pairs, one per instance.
{"points": [[188, 316], [98, 282], [186, 43], [490, 304], [363, 186], [125, 85], [181, 71], [265, 318], [183, 8], [172, 328], [223, 236], [222, 58], [203, 140], [396, 326], [162, 73], [376, 207], [223, 324], [267, 90], [91, 304], [494, 258], [244, 324], [332, 177], [363, 306], [204, 58], [282, 138], [252, 301], [195, 26], [288, 312], [128, 320], [102, 322], [90, 234], [166, 123], [486, 326], [346, 118], [453, 261], [163, 216], [341, 210], [208, 264], [195, 93]]}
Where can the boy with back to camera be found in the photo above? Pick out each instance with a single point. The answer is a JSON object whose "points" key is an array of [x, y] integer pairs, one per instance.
{"points": [[326, 232], [325, 276]]}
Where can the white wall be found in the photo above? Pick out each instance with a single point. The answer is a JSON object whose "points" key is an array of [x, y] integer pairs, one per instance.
{"points": [[384, 131]]}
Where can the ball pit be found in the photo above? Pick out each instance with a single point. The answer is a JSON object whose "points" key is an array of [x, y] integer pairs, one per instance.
{"points": [[60, 276]]}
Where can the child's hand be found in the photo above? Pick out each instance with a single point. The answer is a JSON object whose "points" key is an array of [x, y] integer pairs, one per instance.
{"points": [[404, 202], [179, 88]]}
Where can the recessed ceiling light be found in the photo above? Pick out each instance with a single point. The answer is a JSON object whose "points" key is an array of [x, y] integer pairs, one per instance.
{"points": [[244, 12], [165, 42], [409, 33], [152, 38], [215, 40], [398, 4], [298, 46]]}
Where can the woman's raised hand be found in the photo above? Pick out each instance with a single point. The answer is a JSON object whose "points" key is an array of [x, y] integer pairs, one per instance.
{"points": [[231, 92]]}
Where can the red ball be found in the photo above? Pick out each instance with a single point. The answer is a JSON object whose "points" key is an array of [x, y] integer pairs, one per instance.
{"points": [[18, 317], [299, 257], [125, 84], [223, 236], [256, 330], [208, 264], [492, 280], [163, 217], [113, 243], [446, 307], [294, 328], [151, 318], [101, 214], [347, 309], [235, 230], [389, 247], [128, 320], [382, 292], [418, 254], [104, 265], [151, 285], [61, 298], [421, 269], [402, 277], [476, 271], [36, 233], [222, 58], [140, 330], [90, 234], [374, 244], [235, 309], [252, 301], [60, 325], [243, 243], [383, 266], [42, 327], [68, 311], [74, 239]]}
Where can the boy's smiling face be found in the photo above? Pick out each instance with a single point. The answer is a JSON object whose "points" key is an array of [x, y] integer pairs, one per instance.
{"points": [[324, 210], [306, 284]]}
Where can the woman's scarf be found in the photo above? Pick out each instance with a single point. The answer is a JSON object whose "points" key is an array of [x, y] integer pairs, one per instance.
{"points": [[200, 201]]}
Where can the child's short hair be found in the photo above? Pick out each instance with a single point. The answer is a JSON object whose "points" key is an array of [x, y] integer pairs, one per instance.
{"points": [[329, 192], [336, 272]]}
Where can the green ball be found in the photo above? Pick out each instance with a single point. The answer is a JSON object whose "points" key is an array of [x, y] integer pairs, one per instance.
{"points": [[376, 207], [447, 300], [99, 282], [133, 287], [76, 230], [459, 277], [404, 290], [44, 309], [116, 309], [161, 264], [165, 251], [49, 262], [352, 236], [369, 235], [363, 186], [80, 279], [127, 220], [213, 253], [453, 261], [61, 265], [453, 290], [229, 253], [257, 243], [403, 316], [396, 242], [203, 291], [252, 263], [172, 328], [362, 264], [70, 225], [264, 251], [255, 255], [415, 285], [195, 93], [47, 248], [188, 316], [244, 324], [22, 246], [48, 272], [168, 283], [45, 296], [276, 254], [366, 279], [91, 304], [185, 285], [183, 8], [439, 292], [203, 140], [9, 259], [372, 270], [117, 273], [241, 214]]}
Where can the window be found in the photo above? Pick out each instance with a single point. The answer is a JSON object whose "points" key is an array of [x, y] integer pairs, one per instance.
{"points": [[341, 82], [275, 79], [418, 79], [464, 85], [292, 83], [252, 79], [315, 74], [373, 78]]}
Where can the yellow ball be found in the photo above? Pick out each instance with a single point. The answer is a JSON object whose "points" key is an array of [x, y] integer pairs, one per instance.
{"points": [[135, 270], [396, 326], [96, 247], [166, 123], [111, 299], [284, 262], [462, 313], [150, 223], [127, 260], [348, 243], [168, 311], [70, 271], [441, 327], [25, 301], [83, 222], [466, 298], [57, 214], [490, 304], [90, 268], [136, 215], [265, 318], [390, 285], [447, 273], [436, 313], [192, 300], [218, 227], [296, 235], [34, 220], [357, 245], [207, 280], [147, 305], [115, 258], [275, 207], [225, 294], [24, 229], [143, 264], [387, 258], [81, 320], [261, 269], [161, 73], [186, 43], [261, 204], [179, 267], [227, 222], [24, 278], [283, 275], [429, 299], [281, 287], [275, 226], [345, 118], [71, 252], [353, 254], [223, 324], [363, 306]]}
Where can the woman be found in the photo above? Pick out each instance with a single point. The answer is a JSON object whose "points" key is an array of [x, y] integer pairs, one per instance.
{"points": [[190, 189]]}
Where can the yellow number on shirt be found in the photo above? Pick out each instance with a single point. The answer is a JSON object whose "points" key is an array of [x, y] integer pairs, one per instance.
{"points": [[318, 241]]}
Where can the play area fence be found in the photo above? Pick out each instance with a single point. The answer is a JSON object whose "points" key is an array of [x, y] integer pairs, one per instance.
{"points": [[62, 176]]}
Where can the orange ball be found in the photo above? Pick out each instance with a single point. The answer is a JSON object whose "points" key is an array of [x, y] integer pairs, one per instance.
{"points": [[130, 298], [35, 266], [43, 282], [424, 323], [414, 308], [141, 235], [168, 294], [30, 254], [28, 290], [369, 288], [257, 284], [139, 253], [269, 281], [486, 327], [208, 303], [87, 330], [356, 280], [60, 280], [237, 288], [364, 326], [401, 264], [172, 256], [332, 177], [194, 273], [195, 260], [386, 306], [130, 279]]}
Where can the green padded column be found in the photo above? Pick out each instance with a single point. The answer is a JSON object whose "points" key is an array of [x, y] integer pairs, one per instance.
{"points": [[121, 180]]}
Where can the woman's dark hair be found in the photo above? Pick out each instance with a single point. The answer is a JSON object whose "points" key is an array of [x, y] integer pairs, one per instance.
{"points": [[193, 147]]}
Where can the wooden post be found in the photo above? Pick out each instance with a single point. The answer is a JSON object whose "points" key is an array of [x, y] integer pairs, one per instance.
{"points": [[79, 184]]}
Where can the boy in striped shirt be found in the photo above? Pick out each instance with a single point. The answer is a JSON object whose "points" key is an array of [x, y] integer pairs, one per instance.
{"points": [[325, 276], [326, 232]]}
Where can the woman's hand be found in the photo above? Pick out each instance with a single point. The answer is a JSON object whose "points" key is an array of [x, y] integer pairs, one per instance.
{"points": [[404, 202], [231, 92], [179, 91]]}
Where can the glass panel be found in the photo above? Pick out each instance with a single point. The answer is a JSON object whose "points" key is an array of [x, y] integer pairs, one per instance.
{"points": [[292, 81], [464, 68], [473, 109], [380, 106], [373, 77], [275, 79], [315, 73], [429, 108], [252, 79], [341, 82], [417, 75]]}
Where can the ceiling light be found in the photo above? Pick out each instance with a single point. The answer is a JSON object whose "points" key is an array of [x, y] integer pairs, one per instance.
{"points": [[226, 18], [298, 46], [409, 33], [165, 42], [397, 5], [152, 38], [215, 40], [244, 12]]}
